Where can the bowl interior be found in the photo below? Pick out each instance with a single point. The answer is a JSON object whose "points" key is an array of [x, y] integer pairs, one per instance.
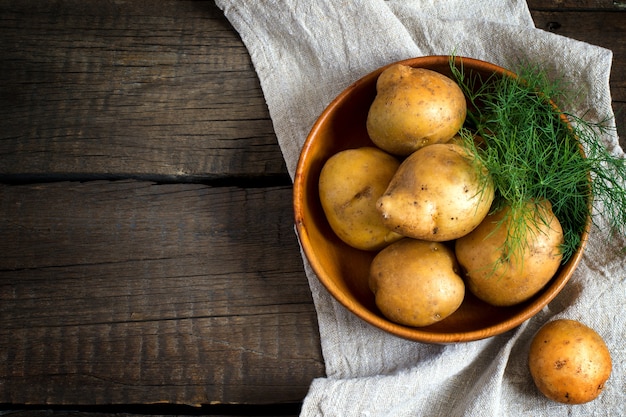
{"points": [[344, 270]]}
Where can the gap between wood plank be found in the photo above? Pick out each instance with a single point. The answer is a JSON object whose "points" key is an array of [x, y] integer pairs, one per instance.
{"points": [[258, 410], [266, 181]]}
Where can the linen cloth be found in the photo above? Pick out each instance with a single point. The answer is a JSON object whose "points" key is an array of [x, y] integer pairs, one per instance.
{"points": [[305, 53]]}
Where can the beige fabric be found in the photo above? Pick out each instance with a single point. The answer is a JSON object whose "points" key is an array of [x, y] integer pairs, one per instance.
{"points": [[307, 52]]}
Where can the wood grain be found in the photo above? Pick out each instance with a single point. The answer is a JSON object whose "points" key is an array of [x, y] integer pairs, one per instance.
{"points": [[214, 410], [589, 5], [132, 292], [129, 89]]}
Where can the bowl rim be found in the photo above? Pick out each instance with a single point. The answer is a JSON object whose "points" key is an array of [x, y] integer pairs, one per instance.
{"points": [[417, 334]]}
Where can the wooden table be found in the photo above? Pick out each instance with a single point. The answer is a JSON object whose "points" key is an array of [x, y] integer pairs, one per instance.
{"points": [[147, 256]]}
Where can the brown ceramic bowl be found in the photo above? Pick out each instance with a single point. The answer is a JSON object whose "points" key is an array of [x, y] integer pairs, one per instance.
{"points": [[344, 270]]}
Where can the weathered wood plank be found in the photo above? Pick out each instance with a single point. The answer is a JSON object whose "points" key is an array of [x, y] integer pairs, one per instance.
{"points": [[576, 4], [132, 292], [129, 88], [218, 410]]}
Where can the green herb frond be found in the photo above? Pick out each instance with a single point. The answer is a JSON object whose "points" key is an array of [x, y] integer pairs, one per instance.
{"points": [[607, 170], [532, 153]]}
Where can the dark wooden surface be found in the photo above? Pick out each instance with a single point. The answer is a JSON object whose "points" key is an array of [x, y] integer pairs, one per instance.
{"points": [[147, 256]]}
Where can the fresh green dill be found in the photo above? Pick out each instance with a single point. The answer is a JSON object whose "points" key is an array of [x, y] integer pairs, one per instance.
{"points": [[535, 152]]}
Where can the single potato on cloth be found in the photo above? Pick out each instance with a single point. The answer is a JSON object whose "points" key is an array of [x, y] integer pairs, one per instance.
{"points": [[569, 362]]}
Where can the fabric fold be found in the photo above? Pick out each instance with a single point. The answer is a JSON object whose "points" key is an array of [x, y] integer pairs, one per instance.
{"points": [[305, 54]]}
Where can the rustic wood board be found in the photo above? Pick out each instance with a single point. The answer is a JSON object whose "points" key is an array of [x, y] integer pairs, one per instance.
{"points": [[133, 292], [127, 88], [218, 410], [587, 5]]}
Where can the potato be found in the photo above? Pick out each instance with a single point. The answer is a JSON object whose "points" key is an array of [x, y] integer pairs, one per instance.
{"points": [[569, 362], [437, 194], [500, 277], [416, 283], [414, 107], [350, 183]]}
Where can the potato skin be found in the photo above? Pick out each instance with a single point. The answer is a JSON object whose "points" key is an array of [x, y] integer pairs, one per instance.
{"points": [[414, 107], [569, 362], [350, 183], [505, 283], [437, 195], [416, 283]]}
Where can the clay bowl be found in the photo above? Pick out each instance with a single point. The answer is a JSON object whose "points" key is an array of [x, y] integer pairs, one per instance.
{"points": [[344, 270]]}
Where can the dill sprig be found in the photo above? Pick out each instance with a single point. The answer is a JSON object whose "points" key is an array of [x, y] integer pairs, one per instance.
{"points": [[533, 151], [608, 174]]}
